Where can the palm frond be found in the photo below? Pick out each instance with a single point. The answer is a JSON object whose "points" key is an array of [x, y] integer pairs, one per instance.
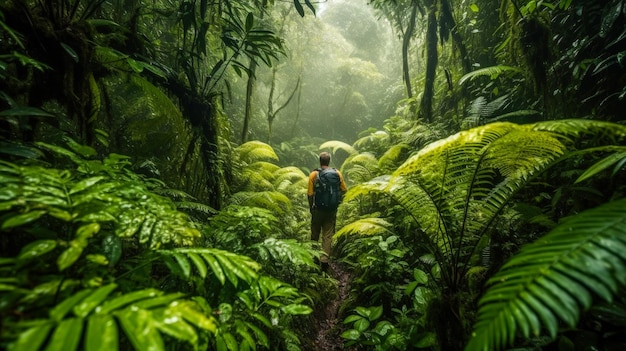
{"points": [[338, 145], [196, 206], [555, 278], [254, 151], [366, 226]]}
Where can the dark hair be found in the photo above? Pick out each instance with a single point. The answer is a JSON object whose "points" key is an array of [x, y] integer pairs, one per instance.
{"points": [[324, 159]]}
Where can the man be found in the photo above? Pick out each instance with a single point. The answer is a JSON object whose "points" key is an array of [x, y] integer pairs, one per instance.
{"points": [[326, 190]]}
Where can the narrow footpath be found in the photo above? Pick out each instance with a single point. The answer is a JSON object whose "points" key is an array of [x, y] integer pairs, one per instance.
{"points": [[330, 324]]}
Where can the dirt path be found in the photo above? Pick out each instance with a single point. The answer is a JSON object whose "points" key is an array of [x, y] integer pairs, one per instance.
{"points": [[330, 323]]}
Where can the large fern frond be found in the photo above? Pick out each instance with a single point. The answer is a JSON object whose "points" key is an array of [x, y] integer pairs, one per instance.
{"points": [[339, 145], [93, 319], [223, 264], [493, 72], [254, 151], [289, 251], [555, 278], [366, 226], [274, 201], [393, 157]]}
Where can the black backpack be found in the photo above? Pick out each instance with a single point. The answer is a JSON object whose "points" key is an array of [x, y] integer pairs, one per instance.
{"points": [[327, 190]]}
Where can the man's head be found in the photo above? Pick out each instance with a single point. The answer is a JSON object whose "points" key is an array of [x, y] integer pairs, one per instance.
{"points": [[324, 159]]}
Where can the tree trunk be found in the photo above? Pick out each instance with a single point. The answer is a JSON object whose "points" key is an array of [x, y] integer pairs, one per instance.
{"points": [[248, 108], [406, 40], [426, 105]]}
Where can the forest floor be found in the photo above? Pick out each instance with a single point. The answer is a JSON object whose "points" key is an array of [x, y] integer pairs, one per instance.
{"points": [[329, 322]]}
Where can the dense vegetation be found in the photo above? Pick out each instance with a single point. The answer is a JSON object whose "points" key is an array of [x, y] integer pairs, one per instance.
{"points": [[155, 159]]}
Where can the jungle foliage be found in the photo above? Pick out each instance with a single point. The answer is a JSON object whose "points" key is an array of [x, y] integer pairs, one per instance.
{"points": [[155, 160]]}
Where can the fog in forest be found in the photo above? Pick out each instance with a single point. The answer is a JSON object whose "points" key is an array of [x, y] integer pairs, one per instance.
{"points": [[348, 63]]}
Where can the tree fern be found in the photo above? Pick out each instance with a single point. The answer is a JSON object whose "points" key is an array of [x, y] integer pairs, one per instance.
{"points": [[366, 227], [254, 151], [555, 278], [493, 72], [336, 145]]}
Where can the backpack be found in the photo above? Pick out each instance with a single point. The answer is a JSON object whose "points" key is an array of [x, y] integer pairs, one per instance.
{"points": [[327, 190]]}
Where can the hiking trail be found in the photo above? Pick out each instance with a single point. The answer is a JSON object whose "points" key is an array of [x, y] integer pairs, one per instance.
{"points": [[330, 326]]}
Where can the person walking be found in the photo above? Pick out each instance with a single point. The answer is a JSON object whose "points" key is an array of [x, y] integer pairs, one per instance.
{"points": [[325, 193]]}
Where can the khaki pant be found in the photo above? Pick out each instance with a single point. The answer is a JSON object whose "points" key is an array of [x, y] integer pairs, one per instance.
{"points": [[323, 222]]}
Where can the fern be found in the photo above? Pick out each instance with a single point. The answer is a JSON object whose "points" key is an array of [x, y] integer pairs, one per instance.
{"points": [[223, 264], [493, 72], [366, 227], [143, 316], [336, 145], [254, 151], [288, 251], [270, 200], [555, 278]]}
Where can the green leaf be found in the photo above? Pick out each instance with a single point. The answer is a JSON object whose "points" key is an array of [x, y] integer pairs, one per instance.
{"points": [[140, 329], [93, 300], [126, 299], [199, 263], [249, 22], [601, 165], [361, 324], [474, 8], [22, 219], [70, 51], [60, 310], [25, 111], [70, 255], [297, 309], [66, 336], [84, 184], [36, 249], [187, 311], [32, 339], [102, 334], [351, 334], [183, 262], [171, 324]]}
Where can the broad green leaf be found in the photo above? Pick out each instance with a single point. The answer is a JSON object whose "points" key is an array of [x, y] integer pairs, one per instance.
{"points": [[376, 312], [21, 219], [86, 231], [32, 339], [158, 301], [102, 334], [296, 309], [84, 184], [93, 300], [194, 316], [36, 249], [361, 324], [351, 334], [66, 336], [216, 268], [351, 318], [174, 325], [126, 299], [140, 329], [70, 255], [60, 310]]}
